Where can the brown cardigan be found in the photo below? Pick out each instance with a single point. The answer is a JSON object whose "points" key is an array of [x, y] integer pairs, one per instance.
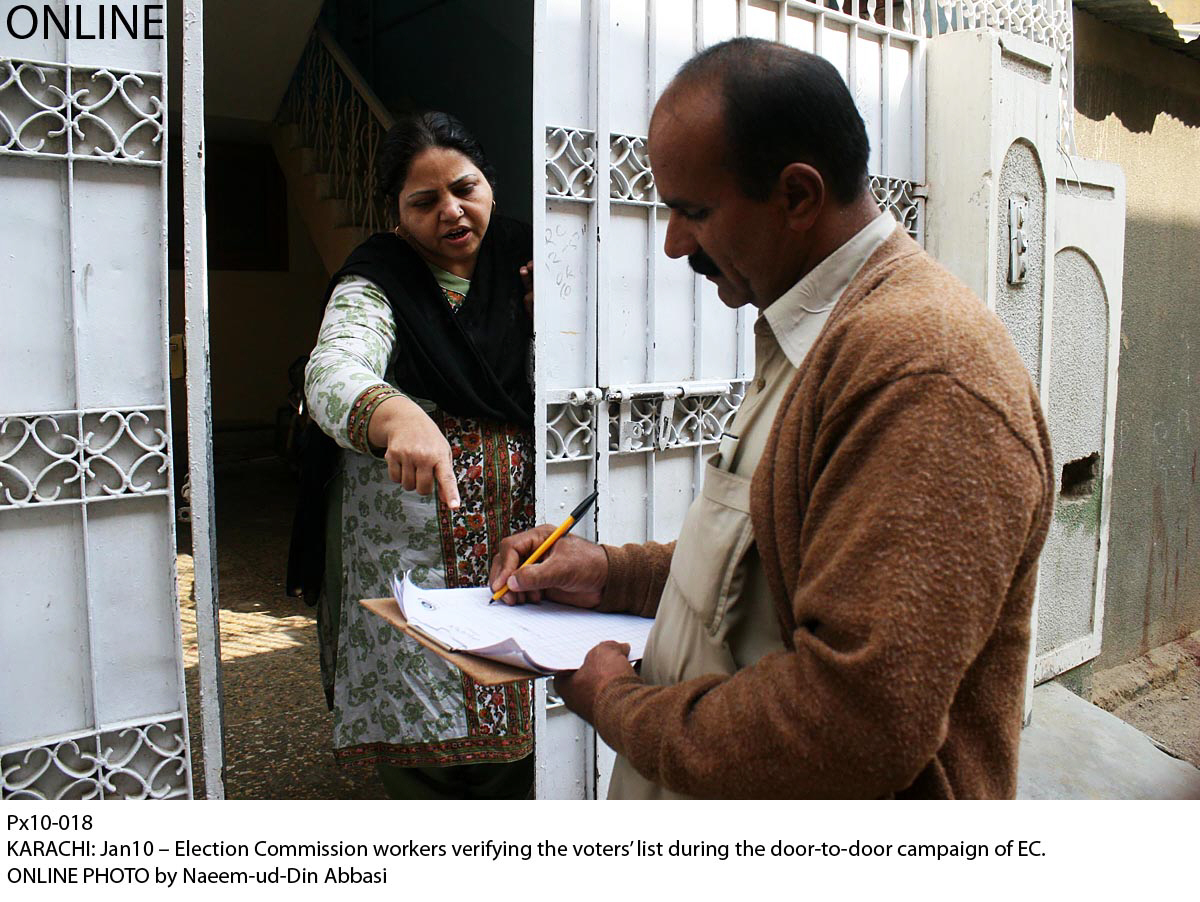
{"points": [[899, 510]]}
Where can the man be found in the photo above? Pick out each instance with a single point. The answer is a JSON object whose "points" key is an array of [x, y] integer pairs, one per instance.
{"points": [[846, 612]]}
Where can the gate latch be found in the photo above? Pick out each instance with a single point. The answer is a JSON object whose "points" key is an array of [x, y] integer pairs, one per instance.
{"points": [[1017, 245]]}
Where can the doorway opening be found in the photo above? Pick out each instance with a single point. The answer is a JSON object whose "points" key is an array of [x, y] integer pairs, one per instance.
{"points": [[283, 210]]}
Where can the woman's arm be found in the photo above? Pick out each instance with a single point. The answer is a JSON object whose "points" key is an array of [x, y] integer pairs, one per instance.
{"points": [[350, 399], [344, 380]]}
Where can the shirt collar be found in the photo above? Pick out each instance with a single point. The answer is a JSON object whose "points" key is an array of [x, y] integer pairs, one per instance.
{"points": [[800, 312]]}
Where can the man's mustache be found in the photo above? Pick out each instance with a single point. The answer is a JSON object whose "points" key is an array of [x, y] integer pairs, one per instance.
{"points": [[703, 264]]}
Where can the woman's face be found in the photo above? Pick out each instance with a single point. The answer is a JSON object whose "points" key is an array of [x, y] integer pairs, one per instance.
{"points": [[445, 208]]}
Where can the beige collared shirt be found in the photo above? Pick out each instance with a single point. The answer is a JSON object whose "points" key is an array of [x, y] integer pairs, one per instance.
{"points": [[716, 614], [783, 333]]}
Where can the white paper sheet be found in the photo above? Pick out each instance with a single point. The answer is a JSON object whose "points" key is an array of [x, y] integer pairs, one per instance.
{"points": [[545, 637]]}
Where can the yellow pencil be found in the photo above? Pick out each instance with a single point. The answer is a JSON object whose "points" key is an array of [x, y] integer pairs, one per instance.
{"points": [[562, 530]]}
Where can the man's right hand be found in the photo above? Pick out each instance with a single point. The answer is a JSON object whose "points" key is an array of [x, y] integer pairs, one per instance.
{"points": [[573, 572], [417, 454]]}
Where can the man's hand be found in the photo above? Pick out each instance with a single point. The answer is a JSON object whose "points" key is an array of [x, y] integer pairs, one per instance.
{"points": [[573, 571], [417, 455], [604, 663]]}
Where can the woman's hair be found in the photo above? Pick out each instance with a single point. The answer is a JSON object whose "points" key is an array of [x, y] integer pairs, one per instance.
{"points": [[419, 132]]}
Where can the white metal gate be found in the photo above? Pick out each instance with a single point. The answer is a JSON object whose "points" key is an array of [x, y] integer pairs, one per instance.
{"points": [[91, 676], [1081, 410], [639, 365]]}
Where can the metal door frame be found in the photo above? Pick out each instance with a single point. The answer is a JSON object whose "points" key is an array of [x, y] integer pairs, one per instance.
{"points": [[199, 404]]}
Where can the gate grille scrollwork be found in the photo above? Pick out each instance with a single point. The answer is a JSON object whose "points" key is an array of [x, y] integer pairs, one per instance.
{"points": [[140, 761], [671, 419], [56, 111], [570, 163], [904, 200], [571, 171], [46, 458], [571, 429], [643, 420], [631, 177]]}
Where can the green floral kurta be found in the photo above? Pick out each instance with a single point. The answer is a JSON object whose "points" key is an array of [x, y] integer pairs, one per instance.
{"points": [[395, 701]]}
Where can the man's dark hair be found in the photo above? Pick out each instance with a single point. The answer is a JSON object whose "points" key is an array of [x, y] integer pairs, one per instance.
{"points": [[783, 106], [419, 132]]}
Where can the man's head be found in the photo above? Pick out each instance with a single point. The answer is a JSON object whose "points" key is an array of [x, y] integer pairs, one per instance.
{"points": [[760, 152]]}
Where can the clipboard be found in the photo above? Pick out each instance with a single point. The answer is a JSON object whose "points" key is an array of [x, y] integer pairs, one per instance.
{"points": [[481, 670]]}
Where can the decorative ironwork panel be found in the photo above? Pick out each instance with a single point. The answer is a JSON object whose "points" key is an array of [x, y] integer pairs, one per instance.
{"points": [[1048, 22], [40, 459], [66, 770], [570, 163], [125, 453], [337, 121], [57, 458], [715, 412], [671, 419], [630, 178], [571, 430], [146, 761], [880, 13], [34, 112], [51, 110], [117, 115], [902, 199]]}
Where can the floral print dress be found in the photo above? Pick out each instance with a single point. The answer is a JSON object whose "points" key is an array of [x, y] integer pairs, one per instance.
{"points": [[394, 701]]}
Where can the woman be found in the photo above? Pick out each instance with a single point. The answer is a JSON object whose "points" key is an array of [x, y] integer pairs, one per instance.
{"points": [[420, 375]]}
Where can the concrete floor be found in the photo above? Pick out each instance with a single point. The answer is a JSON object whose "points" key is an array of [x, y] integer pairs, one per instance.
{"points": [[1075, 750], [278, 728]]}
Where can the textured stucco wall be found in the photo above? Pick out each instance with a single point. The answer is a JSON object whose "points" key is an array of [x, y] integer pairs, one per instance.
{"points": [[1138, 105], [1075, 413], [1020, 306]]}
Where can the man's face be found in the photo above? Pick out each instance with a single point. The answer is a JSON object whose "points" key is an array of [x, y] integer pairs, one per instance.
{"points": [[727, 237]]}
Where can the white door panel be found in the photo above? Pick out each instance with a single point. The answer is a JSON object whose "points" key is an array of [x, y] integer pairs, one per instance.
{"points": [[1081, 374], [639, 364], [90, 658]]}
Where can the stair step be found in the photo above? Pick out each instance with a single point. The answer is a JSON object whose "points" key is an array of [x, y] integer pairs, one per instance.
{"points": [[322, 185], [288, 135], [327, 218]]}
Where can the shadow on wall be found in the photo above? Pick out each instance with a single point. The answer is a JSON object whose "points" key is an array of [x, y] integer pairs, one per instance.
{"points": [[1153, 594], [1138, 105], [1101, 91]]}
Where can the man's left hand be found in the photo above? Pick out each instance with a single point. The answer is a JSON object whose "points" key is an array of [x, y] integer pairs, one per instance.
{"points": [[604, 663]]}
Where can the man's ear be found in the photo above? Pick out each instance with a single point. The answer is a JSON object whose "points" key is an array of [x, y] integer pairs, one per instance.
{"points": [[803, 191]]}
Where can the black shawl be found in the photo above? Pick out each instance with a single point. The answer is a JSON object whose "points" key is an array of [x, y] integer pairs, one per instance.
{"points": [[471, 363]]}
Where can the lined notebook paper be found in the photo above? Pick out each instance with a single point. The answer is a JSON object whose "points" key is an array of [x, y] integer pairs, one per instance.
{"points": [[545, 637]]}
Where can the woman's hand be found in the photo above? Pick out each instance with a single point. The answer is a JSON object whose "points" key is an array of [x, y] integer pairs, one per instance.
{"points": [[527, 281], [417, 455]]}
